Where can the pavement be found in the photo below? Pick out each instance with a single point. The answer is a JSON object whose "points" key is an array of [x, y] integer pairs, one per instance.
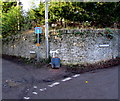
{"points": [[27, 82]]}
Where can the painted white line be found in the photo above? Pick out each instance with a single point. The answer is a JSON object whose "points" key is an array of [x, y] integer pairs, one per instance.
{"points": [[34, 86], [54, 84], [66, 79], [76, 75], [43, 89], [26, 97], [35, 93]]}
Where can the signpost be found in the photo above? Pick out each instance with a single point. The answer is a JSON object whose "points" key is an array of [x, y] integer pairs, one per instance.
{"points": [[38, 31]]}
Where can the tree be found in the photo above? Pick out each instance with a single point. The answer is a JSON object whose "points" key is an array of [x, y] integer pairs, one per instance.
{"points": [[6, 6], [10, 19]]}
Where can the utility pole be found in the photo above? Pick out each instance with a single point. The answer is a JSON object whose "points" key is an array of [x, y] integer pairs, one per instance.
{"points": [[46, 29]]}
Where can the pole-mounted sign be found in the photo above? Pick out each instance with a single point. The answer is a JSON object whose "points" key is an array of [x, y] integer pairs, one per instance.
{"points": [[38, 31]]}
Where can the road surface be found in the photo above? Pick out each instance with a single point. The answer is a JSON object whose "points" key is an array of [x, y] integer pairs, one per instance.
{"points": [[26, 82]]}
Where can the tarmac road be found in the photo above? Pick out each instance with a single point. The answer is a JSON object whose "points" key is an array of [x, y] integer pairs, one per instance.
{"points": [[102, 84], [28, 83]]}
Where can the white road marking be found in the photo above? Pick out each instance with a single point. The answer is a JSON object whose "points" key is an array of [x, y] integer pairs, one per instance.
{"points": [[34, 86], [43, 89], [66, 79], [54, 84], [76, 75], [35, 93], [26, 97]]}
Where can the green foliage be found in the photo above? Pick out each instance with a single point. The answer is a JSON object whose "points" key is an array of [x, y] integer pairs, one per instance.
{"points": [[63, 14], [98, 14], [7, 6], [78, 32], [11, 19], [36, 15], [109, 33]]}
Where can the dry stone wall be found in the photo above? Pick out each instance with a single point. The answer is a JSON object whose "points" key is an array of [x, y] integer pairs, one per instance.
{"points": [[72, 48]]}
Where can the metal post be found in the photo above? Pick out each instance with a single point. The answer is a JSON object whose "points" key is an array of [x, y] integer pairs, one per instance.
{"points": [[46, 29], [38, 47]]}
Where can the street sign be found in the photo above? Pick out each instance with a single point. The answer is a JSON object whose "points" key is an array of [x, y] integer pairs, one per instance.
{"points": [[38, 30], [37, 44]]}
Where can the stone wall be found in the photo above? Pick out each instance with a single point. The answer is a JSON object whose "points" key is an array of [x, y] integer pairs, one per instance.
{"points": [[119, 43], [91, 47], [22, 45]]}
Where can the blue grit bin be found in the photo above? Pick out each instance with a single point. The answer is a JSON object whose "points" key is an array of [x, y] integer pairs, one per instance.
{"points": [[55, 62]]}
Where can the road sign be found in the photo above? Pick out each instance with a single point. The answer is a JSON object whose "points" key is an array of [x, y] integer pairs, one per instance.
{"points": [[38, 30], [38, 44]]}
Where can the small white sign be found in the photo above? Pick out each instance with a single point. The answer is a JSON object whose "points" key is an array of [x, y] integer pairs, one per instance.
{"points": [[32, 52], [56, 51], [104, 45]]}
